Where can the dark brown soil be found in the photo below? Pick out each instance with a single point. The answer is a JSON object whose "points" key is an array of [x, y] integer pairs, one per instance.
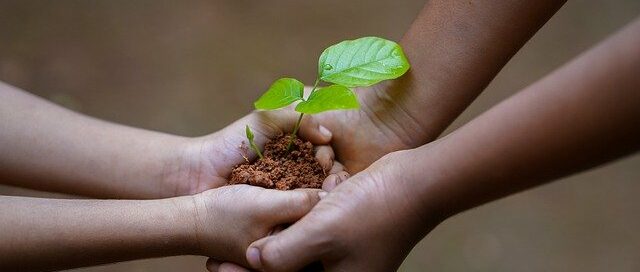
{"points": [[281, 169]]}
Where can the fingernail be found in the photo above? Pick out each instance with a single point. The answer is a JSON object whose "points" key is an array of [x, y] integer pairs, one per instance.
{"points": [[253, 257], [322, 194], [327, 166], [331, 183], [324, 131], [343, 176]]}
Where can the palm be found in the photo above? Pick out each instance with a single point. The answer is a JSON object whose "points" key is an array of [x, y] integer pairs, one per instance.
{"points": [[394, 223], [206, 162], [362, 137]]}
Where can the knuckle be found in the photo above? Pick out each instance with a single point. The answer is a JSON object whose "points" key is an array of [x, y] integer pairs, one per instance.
{"points": [[343, 176], [312, 122], [336, 168], [307, 199], [271, 253]]}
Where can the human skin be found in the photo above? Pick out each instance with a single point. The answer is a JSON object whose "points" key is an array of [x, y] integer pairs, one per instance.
{"points": [[455, 49], [582, 115], [46, 147], [51, 234]]}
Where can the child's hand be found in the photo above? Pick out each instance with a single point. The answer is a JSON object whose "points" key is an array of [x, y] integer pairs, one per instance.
{"points": [[204, 163], [230, 218]]}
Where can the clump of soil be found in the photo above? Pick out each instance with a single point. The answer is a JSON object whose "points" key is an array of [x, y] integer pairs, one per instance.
{"points": [[280, 168]]}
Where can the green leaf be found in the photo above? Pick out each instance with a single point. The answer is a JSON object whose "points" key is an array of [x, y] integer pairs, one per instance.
{"points": [[282, 92], [334, 97], [249, 133], [362, 62]]}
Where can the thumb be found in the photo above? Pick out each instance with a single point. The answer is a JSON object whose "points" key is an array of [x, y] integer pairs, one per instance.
{"points": [[311, 130], [274, 123], [289, 250], [216, 266], [288, 206]]}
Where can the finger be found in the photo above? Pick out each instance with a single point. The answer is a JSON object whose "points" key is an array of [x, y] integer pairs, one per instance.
{"points": [[337, 167], [333, 180], [277, 229], [325, 155], [289, 206], [330, 183], [231, 267], [342, 176], [290, 250], [312, 131], [213, 265], [216, 266], [269, 124]]}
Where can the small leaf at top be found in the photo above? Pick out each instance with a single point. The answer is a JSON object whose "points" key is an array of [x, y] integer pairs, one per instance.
{"points": [[334, 97], [249, 133], [362, 62], [282, 92]]}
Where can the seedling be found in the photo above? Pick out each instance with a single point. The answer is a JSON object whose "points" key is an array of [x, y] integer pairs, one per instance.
{"points": [[352, 63], [251, 143]]}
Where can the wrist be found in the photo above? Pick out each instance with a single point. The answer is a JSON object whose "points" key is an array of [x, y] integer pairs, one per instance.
{"points": [[434, 177], [185, 224], [178, 160], [135, 166], [413, 179], [389, 102], [206, 237]]}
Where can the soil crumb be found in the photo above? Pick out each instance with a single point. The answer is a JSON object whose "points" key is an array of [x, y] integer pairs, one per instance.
{"points": [[281, 169]]}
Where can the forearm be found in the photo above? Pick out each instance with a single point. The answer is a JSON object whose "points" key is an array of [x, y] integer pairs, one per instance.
{"points": [[455, 48], [46, 234], [582, 115], [44, 146]]}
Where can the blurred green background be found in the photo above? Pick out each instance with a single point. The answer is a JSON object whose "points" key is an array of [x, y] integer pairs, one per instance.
{"points": [[191, 67]]}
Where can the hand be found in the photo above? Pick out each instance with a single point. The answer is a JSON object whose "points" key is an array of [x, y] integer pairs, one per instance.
{"points": [[369, 223], [359, 138], [381, 126], [225, 226], [204, 163]]}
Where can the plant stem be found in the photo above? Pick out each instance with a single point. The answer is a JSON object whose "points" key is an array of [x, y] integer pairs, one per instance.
{"points": [[315, 85], [295, 132], [297, 126], [256, 149]]}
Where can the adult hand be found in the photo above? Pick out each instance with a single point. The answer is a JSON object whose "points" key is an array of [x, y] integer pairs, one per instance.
{"points": [[447, 73], [369, 223], [358, 139], [442, 82], [381, 126]]}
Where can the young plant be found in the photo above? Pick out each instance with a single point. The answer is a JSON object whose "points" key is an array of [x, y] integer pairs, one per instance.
{"points": [[251, 143], [352, 63]]}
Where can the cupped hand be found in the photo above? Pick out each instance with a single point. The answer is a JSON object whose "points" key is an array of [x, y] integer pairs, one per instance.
{"points": [[381, 126], [368, 223], [228, 219], [359, 138], [205, 162]]}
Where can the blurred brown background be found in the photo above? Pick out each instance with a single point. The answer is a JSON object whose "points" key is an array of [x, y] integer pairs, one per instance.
{"points": [[190, 67]]}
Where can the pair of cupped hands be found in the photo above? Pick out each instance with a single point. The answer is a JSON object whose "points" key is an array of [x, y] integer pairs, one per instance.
{"points": [[358, 221]]}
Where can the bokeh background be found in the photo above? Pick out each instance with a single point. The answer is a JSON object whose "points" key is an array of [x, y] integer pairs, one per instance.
{"points": [[191, 67]]}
